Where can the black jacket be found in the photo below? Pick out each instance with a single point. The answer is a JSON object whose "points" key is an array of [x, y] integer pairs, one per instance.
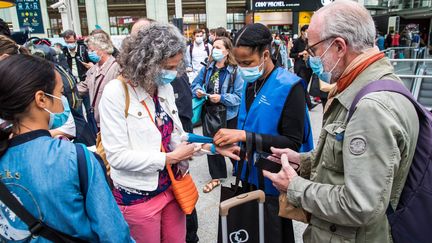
{"points": [[81, 55], [299, 45], [183, 100]]}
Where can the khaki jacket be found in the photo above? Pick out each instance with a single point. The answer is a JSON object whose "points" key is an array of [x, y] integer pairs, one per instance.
{"points": [[357, 168], [95, 75]]}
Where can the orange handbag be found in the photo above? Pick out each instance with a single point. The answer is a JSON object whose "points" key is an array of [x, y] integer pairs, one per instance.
{"points": [[184, 189]]}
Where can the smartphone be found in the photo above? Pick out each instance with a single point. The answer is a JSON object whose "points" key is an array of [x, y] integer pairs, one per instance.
{"points": [[263, 163]]}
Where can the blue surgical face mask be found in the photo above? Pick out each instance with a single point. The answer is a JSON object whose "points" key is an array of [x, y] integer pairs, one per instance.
{"points": [[71, 46], [211, 39], [94, 57], [167, 76], [277, 42], [217, 54], [251, 74], [58, 119], [199, 40], [315, 63]]}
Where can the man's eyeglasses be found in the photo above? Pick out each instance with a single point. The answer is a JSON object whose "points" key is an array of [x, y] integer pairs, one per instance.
{"points": [[311, 49]]}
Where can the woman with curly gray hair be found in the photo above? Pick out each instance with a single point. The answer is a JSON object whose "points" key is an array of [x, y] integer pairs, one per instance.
{"points": [[139, 143]]}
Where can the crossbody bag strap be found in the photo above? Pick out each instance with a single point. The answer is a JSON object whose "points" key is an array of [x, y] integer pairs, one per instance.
{"points": [[96, 94], [98, 87], [151, 118], [204, 79], [35, 226], [168, 166]]}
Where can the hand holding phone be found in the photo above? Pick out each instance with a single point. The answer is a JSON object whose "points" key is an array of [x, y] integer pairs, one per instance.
{"points": [[262, 162], [200, 93], [272, 162]]}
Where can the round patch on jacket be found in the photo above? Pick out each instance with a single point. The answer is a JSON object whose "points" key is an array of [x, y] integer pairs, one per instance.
{"points": [[357, 145]]}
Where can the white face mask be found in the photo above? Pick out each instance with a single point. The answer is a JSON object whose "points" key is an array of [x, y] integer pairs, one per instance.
{"points": [[199, 40]]}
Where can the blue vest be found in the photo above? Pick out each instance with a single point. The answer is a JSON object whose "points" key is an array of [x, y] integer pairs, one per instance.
{"points": [[264, 116]]}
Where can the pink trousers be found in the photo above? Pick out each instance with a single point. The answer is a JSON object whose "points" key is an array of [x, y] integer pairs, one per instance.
{"points": [[158, 220]]}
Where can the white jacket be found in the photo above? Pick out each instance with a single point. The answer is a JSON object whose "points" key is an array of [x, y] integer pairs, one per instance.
{"points": [[132, 144]]}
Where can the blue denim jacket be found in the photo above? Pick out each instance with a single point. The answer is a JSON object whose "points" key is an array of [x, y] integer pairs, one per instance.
{"points": [[231, 100], [284, 55], [42, 173]]}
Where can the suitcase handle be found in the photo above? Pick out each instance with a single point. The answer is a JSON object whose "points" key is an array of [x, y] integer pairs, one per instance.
{"points": [[226, 205]]}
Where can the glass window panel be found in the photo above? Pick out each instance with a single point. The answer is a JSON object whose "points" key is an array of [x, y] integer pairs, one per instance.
{"points": [[230, 17], [114, 31], [239, 26], [407, 3], [113, 21], [188, 18], [239, 17], [202, 18]]}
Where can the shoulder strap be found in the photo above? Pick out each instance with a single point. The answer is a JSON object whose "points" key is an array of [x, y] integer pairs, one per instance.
{"points": [[98, 87], [205, 77], [207, 49], [233, 76], [385, 85], [82, 169], [127, 96], [190, 52], [35, 226], [96, 94]]}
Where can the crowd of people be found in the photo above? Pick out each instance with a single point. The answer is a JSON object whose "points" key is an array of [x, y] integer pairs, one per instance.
{"points": [[59, 105]]}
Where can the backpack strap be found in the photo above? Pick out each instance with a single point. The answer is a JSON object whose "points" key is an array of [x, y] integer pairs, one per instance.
{"points": [[385, 85], [35, 226], [190, 52], [204, 79], [423, 143], [206, 49], [82, 158], [82, 169]]}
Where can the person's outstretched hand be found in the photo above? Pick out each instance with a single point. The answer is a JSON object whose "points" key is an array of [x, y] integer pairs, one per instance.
{"points": [[282, 179]]}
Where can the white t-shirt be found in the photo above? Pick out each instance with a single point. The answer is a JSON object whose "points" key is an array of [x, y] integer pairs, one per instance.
{"points": [[69, 127], [199, 54], [74, 64]]}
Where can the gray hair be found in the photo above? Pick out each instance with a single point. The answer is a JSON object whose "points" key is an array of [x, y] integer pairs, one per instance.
{"points": [[101, 42], [349, 20], [144, 53]]}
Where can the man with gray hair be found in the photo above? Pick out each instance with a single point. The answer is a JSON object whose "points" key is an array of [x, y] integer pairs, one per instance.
{"points": [[359, 168], [141, 23]]}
